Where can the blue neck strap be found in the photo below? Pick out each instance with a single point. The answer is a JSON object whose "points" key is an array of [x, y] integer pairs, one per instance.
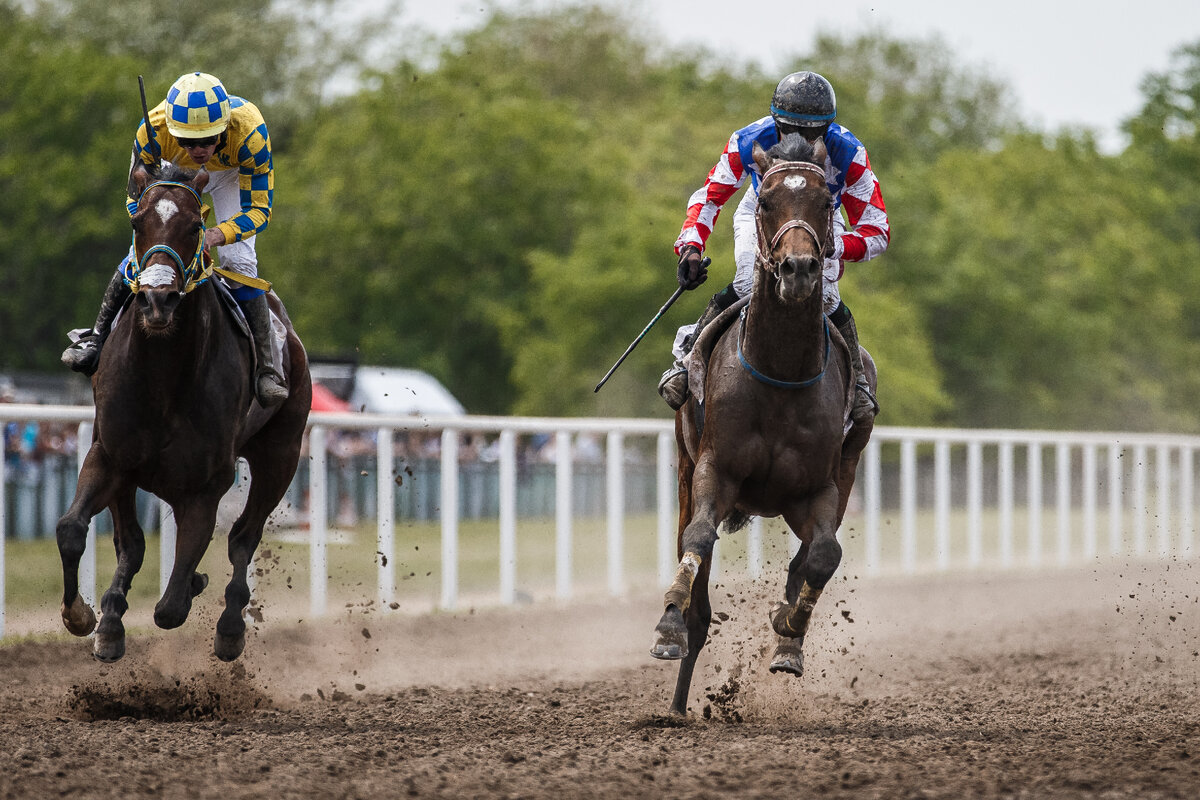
{"points": [[758, 376]]}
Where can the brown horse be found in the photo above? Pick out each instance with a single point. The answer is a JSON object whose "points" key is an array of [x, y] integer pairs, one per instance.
{"points": [[174, 411], [768, 435]]}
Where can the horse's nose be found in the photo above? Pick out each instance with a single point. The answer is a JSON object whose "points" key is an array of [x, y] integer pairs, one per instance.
{"points": [[158, 307], [804, 266]]}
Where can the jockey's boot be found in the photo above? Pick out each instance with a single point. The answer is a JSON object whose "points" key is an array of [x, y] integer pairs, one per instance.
{"points": [[865, 405], [84, 355], [673, 385], [269, 386]]}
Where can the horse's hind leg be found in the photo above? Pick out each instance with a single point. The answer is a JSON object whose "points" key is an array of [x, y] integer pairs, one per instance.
{"points": [[810, 570], [272, 455], [195, 519], [130, 544], [244, 537], [92, 493]]}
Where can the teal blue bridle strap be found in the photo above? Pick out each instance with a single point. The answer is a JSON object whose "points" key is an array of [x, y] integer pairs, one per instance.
{"points": [[758, 376], [192, 271]]}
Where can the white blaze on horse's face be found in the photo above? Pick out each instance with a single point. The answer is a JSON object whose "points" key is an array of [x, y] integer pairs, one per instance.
{"points": [[166, 209], [795, 182], [156, 275]]}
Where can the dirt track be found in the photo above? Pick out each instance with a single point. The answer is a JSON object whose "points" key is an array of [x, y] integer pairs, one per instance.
{"points": [[1080, 684]]}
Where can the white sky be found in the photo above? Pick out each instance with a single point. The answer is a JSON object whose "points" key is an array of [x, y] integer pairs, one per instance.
{"points": [[1068, 62]]}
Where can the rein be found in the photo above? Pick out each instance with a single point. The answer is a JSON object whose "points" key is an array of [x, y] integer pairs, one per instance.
{"points": [[194, 271]]}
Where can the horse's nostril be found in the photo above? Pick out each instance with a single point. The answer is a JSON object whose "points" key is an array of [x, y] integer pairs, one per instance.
{"points": [[802, 265]]}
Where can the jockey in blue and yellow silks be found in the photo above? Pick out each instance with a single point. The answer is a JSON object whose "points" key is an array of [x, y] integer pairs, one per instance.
{"points": [[200, 126]]}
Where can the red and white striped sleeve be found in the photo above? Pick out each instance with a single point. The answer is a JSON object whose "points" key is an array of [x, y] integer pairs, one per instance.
{"points": [[869, 232], [705, 204]]}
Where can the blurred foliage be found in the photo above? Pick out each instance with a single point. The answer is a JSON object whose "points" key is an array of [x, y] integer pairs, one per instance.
{"points": [[498, 208]]}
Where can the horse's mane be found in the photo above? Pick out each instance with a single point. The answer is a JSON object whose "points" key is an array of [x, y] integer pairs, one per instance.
{"points": [[793, 147]]}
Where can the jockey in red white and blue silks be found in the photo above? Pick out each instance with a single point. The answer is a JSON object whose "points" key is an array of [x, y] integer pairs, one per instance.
{"points": [[861, 236]]}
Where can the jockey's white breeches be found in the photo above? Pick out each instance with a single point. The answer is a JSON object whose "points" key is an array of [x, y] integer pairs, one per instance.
{"points": [[745, 246]]}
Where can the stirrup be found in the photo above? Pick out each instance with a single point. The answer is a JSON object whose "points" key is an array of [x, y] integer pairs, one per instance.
{"points": [[673, 385], [859, 410], [83, 355]]}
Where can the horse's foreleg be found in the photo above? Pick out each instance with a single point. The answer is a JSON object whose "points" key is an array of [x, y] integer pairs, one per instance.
{"points": [[809, 572], [683, 629], [92, 493], [195, 520], [130, 544]]}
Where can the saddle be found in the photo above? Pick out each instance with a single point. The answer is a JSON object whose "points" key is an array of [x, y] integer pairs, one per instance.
{"points": [[279, 353]]}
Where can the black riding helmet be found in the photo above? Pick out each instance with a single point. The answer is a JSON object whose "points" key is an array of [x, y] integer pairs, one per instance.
{"points": [[803, 100]]}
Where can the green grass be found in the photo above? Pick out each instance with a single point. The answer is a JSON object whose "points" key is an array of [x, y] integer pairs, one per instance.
{"points": [[34, 575]]}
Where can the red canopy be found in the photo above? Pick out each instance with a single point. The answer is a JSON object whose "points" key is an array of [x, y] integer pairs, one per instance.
{"points": [[325, 400]]}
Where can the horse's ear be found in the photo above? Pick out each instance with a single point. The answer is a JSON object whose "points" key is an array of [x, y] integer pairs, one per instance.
{"points": [[200, 181], [820, 152], [761, 158], [139, 178]]}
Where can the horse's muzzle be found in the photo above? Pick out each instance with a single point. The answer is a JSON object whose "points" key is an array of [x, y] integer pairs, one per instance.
{"points": [[799, 276], [158, 307]]}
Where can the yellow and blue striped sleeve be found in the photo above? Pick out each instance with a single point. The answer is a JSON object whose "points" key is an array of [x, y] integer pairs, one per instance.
{"points": [[256, 182]]}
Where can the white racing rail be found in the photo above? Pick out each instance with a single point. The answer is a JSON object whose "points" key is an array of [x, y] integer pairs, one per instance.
{"points": [[959, 486]]}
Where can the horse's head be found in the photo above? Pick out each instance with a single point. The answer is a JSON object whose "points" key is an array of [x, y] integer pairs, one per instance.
{"points": [[168, 234], [794, 217]]}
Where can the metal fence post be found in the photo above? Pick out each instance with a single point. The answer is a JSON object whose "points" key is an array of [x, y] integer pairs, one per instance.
{"points": [[508, 517], [385, 511], [563, 485], [449, 511], [615, 481], [318, 567], [667, 557]]}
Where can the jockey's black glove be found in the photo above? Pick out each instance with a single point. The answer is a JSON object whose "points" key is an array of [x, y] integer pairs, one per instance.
{"points": [[692, 270]]}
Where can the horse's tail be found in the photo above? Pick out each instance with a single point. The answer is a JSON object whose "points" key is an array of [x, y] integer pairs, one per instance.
{"points": [[736, 521]]}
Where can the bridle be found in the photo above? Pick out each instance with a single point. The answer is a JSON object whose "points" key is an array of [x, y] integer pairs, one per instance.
{"points": [[194, 271], [762, 256]]}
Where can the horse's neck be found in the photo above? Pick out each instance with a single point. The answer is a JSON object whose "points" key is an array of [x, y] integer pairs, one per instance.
{"points": [[786, 342], [182, 357]]}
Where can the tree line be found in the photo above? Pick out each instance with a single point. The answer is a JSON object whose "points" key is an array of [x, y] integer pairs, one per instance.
{"points": [[498, 208]]}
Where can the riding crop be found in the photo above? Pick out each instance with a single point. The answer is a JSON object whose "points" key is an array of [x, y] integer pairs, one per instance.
{"points": [[703, 265]]}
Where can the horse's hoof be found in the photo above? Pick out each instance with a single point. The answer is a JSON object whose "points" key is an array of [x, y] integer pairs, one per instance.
{"points": [[171, 615], [788, 658], [199, 583], [109, 645], [228, 648], [79, 618], [108, 649], [670, 636]]}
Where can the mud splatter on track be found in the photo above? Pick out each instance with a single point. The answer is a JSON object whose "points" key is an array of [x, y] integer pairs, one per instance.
{"points": [[1065, 684]]}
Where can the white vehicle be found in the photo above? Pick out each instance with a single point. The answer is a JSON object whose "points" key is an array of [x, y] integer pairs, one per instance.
{"points": [[389, 390]]}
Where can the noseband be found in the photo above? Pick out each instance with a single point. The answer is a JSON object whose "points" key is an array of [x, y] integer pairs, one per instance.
{"points": [[194, 271], [762, 257]]}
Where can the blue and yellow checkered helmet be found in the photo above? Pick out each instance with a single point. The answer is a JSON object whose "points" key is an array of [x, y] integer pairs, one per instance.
{"points": [[197, 106]]}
